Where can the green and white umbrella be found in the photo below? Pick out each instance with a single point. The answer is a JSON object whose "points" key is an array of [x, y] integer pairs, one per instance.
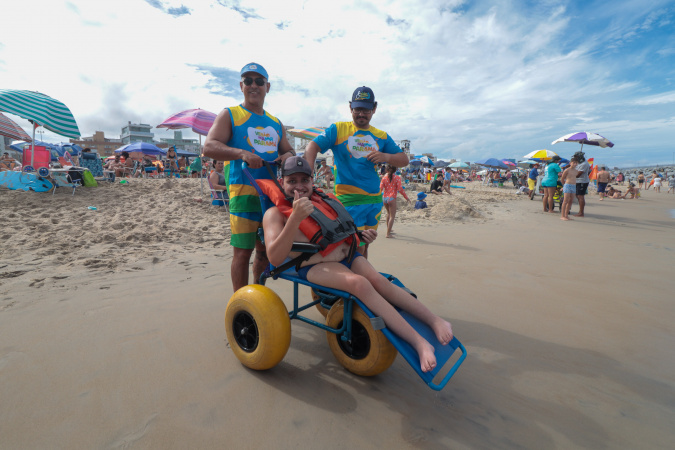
{"points": [[40, 109]]}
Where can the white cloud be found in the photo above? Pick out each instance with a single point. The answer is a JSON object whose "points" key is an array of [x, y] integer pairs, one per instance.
{"points": [[462, 79]]}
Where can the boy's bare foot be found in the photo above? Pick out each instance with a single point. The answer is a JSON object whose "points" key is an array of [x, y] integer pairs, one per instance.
{"points": [[442, 330], [425, 351], [565, 218], [389, 236]]}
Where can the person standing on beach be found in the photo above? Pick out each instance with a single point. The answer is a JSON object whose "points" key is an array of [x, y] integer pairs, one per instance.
{"points": [[247, 134], [358, 148], [603, 180], [582, 182], [532, 179], [550, 182], [390, 187], [569, 180]]}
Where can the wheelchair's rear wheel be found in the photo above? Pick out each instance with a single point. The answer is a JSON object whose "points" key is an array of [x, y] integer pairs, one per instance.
{"points": [[369, 352], [258, 327]]}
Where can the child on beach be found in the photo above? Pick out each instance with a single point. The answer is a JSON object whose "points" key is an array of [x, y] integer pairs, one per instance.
{"points": [[420, 203], [671, 184], [569, 179], [336, 270]]}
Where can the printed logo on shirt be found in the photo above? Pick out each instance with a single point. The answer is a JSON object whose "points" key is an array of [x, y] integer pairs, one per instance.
{"points": [[360, 146], [263, 140]]}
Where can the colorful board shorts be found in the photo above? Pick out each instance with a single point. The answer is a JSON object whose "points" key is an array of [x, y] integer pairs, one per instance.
{"points": [[582, 188], [366, 217], [531, 184], [302, 273], [244, 229], [602, 186], [569, 188]]}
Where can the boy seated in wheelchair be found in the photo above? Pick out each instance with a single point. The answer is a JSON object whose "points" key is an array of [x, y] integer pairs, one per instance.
{"points": [[340, 271]]}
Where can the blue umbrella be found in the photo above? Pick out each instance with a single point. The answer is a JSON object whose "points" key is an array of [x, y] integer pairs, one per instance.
{"points": [[493, 163], [143, 147], [459, 164], [415, 162]]}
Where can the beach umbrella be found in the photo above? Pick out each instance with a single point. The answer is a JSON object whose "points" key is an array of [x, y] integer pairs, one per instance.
{"points": [[541, 155], [143, 147], [459, 165], [427, 160], [441, 163], [493, 163], [199, 120], [526, 163], [39, 109], [584, 137], [11, 129], [509, 163], [306, 133], [414, 162]]}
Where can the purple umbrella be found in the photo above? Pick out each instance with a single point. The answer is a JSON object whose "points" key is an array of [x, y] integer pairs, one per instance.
{"points": [[587, 138], [198, 119]]}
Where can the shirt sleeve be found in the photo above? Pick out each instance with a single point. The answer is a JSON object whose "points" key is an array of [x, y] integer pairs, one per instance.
{"points": [[326, 139], [390, 146]]}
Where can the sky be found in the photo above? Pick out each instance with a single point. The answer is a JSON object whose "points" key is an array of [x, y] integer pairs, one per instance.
{"points": [[459, 79]]}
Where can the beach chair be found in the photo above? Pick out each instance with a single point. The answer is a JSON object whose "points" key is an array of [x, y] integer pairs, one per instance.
{"points": [[62, 178], [258, 326], [219, 198], [93, 163]]}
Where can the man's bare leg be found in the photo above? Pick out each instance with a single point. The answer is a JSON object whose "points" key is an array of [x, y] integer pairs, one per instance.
{"points": [[582, 203], [239, 267], [260, 261]]}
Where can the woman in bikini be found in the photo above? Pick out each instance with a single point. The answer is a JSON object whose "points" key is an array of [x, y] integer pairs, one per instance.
{"points": [[171, 156]]}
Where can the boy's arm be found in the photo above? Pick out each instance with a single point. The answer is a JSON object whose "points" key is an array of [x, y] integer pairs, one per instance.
{"points": [[279, 236]]}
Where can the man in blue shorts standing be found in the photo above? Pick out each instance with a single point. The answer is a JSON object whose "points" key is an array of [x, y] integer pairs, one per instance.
{"points": [[357, 149], [247, 134]]}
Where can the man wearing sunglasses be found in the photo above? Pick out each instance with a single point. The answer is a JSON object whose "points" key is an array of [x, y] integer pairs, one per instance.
{"points": [[247, 134], [358, 148]]}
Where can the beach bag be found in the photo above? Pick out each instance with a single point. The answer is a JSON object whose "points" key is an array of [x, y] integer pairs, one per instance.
{"points": [[89, 180]]}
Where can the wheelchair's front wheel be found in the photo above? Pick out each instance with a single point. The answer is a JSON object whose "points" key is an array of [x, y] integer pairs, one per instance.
{"points": [[258, 327], [369, 352]]}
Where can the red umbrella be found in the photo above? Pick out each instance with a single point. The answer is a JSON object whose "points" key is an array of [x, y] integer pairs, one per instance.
{"points": [[10, 129]]}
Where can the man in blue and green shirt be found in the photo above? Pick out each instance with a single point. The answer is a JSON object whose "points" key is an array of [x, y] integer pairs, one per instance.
{"points": [[247, 133], [357, 149]]}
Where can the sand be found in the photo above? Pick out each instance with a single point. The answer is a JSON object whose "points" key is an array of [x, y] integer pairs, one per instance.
{"points": [[112, 334]]}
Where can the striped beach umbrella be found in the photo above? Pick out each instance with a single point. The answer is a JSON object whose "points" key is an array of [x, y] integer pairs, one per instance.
{"points": [[306, 133], [11, 129], [40, 109], [198, 119], [541, 154]]}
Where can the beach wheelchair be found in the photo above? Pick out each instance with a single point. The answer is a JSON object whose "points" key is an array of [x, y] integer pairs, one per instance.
{"points": [[258, 325]]}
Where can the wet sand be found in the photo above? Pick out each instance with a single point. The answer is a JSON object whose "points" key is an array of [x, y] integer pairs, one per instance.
{"points": [[112, 334]]}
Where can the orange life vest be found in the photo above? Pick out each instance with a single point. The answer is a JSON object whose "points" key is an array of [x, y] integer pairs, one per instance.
{"points": [[329, 225]]}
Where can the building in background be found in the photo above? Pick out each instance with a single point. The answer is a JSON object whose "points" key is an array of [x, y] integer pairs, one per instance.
{"points": [[99, 143], [190, 145], [291, 139], [137, 132]]}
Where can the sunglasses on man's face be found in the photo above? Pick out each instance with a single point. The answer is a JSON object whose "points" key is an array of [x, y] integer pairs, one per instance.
{"points": [[258, 81]]}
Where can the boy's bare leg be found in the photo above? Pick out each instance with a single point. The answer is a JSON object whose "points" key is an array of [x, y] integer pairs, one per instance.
{"points": [[337, 276]]}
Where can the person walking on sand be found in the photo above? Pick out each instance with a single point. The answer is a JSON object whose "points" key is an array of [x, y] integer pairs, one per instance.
{"points": [[358, 148], [603, 181], [390, 187], [569, 180], [532, 179], [340, 270], [247, 134], [550, 182], [657, 183], [582, 182], [671, 184]]}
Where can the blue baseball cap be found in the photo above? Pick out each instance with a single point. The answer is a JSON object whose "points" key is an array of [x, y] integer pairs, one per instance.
{"points": [[363, 97], [255, 68]]}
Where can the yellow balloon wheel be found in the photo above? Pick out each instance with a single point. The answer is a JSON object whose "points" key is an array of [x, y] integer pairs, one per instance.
{"points": [[319, 307], [258, 328], [369, 352]]}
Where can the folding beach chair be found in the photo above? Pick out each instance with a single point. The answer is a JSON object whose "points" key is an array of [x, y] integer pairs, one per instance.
{"points": [[62, 178], [218, 198], [259, 332]]}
